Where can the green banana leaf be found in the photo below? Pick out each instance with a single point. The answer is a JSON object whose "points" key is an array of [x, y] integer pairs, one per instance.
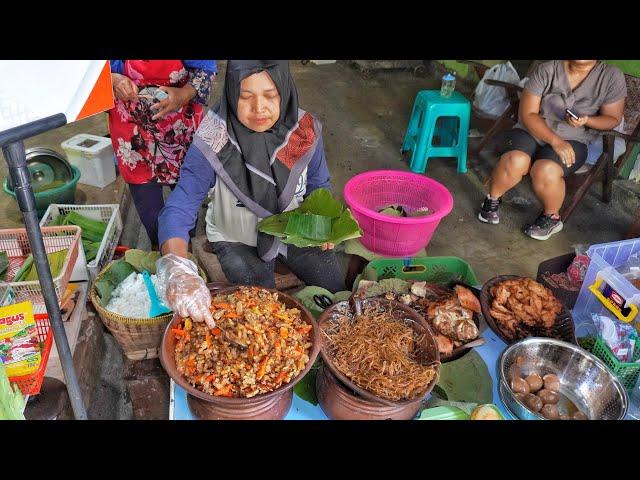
{"points": [[319, 219], [105, 286], [308, 225], [465, 380], [306, 388], [321, 202], [141, 260], [11, 399], [28, 272]]}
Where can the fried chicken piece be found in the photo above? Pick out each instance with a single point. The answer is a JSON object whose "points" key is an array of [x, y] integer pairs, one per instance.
{"points": [[467, 299], [466, 330], [445, 346]]}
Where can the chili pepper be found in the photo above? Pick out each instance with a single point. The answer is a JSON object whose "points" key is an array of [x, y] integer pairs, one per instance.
{"points": [[280, 377], [250, 352], [284, 332], [178, 332], [210, 378], [263, 367], [223, 306], [305, 329], [231, 315], [216, 331], [207, 338]]}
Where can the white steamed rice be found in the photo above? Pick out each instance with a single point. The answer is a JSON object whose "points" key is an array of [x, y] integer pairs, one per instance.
{"points": [[131, 298]]}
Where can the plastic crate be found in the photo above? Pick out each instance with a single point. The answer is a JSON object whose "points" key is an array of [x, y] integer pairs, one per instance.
{"points": [[15, 242], [605, 259], [425, 269], [626, 372], [30, 384], [104, 213]]}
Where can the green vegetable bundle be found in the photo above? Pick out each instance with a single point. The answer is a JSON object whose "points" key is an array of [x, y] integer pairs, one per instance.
{"points": [[319, 219], [28, 272], [92, 231]]}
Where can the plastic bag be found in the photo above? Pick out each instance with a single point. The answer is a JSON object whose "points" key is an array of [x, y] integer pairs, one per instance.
{"points": [[580, 264], [620, 338], [491, 100], [594, 149], [186, 292]]}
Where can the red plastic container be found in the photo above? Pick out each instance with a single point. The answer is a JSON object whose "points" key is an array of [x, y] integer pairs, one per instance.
{"points": [[30, 384], [367, 193]]}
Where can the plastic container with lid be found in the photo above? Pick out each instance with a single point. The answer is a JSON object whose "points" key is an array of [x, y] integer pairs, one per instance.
{"points": [[604, 288], [93, 156]]}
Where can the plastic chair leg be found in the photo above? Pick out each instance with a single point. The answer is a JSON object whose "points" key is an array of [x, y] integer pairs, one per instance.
{"points": [[419, 158], [412, 129]]}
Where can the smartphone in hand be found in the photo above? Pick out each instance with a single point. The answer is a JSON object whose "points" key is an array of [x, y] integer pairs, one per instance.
{"points": [[571, 114]]}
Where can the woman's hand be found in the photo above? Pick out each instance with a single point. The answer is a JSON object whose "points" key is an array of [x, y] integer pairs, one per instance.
{"points": [[124, 88], [185, 291], [564, 151], [327, 246], [580, 122], [178, 98]]}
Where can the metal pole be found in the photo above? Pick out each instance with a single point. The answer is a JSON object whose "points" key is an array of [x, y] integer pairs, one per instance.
{"points": [[14, 153]]}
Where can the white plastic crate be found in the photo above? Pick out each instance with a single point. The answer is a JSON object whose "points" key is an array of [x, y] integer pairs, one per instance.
{"points": [[605, 259], [93, 155], [104, 213]]}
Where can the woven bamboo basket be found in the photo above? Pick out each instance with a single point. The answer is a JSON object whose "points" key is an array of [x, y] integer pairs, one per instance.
{"points": [[140, 338]]}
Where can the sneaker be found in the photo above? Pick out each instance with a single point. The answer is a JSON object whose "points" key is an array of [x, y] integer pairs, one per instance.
{"points": [[544, 227], [489, 211]]}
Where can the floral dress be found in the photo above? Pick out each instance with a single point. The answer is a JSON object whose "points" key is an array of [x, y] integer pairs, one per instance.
{"points": [[153, 150]]}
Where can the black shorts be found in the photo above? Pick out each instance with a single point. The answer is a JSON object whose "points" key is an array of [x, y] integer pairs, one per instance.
{"points": [[518, 139]]}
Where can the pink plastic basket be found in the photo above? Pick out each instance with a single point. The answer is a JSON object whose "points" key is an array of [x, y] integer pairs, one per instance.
{"points": [[369, 192]]}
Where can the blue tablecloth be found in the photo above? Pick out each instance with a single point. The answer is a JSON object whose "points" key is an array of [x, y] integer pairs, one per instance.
{"points": [[303, 410]]}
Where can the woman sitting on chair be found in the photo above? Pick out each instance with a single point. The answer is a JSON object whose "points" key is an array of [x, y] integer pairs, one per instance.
{"points": [[562, 105]]}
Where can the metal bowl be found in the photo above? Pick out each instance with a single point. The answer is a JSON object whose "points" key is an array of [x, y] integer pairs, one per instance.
{"points": [[266, 406], [584, 379]]}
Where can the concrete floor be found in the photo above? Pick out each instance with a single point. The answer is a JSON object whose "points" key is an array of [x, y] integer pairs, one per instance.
{"points": [[364, 122]]}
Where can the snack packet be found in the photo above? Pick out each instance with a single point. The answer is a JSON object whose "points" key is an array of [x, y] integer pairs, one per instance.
{"points": [[580, 264], [19, 344]]}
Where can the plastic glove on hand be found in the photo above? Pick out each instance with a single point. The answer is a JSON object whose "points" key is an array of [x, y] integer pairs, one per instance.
{"points": [[185, 291]]}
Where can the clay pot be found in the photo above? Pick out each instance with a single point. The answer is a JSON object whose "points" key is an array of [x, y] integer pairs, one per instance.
{"points": [[267, 406], [338, 403]]}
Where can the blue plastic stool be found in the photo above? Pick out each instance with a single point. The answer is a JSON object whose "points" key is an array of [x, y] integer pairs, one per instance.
{"points": [[423, 128]]}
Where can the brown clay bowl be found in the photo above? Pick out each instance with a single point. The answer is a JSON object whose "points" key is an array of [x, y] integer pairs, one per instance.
{"points": [[267, 406], [339, 403], [563, 328], [428, 351]]}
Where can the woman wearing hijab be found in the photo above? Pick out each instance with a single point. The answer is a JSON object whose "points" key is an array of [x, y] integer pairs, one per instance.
{"points": [[256, 154]]}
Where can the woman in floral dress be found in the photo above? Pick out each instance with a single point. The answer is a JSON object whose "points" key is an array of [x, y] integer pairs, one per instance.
{"points": [[150, 137]]}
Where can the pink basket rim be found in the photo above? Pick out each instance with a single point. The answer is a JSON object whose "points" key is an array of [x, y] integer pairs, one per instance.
{"points": [[442, 190]]}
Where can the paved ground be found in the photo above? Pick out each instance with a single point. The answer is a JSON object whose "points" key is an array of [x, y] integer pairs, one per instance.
{"points": [[364, 121]]}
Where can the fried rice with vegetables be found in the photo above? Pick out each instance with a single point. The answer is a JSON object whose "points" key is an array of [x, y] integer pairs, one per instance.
{"points": [[278, 345]]}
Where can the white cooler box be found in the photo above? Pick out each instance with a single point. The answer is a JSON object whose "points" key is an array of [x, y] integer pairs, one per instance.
{"points": [[93, 155]]}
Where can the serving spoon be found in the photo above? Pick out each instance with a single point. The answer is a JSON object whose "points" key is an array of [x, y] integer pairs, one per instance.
{"points": [[474, 343]]}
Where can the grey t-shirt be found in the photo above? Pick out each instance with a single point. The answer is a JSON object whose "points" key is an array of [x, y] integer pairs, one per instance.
{"points": [[603, 85]]}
